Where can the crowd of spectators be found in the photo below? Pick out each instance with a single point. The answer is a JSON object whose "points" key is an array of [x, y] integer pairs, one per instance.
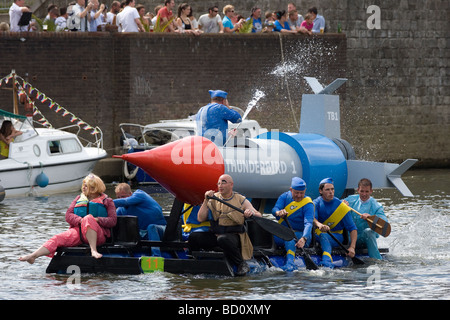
{"points": [[127, 16]]}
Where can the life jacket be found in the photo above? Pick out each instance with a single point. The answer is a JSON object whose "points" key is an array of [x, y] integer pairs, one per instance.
{"points": [[294, 206], [226, 219], [190, 220], [95, 207], [336, 217]]}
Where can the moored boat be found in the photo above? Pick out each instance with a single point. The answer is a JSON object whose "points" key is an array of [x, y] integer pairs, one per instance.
{"points": [[45, 161]]}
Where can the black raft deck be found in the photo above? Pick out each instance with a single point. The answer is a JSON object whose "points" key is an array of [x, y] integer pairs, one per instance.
{"points": [[125, 253]]}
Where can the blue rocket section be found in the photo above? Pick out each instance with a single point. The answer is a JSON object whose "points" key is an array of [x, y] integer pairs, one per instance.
{"points": [[320, 158]]}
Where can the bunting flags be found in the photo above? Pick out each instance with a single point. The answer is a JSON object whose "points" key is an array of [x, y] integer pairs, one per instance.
{"points": [[27, 89]]}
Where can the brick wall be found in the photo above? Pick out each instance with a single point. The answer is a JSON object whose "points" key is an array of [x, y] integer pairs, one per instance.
{"points": [[107, 79]]}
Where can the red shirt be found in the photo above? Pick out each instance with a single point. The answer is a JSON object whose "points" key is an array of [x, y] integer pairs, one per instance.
{"points": [[165, 13]]}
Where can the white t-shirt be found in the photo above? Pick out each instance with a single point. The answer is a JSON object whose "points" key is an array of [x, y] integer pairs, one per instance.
{"points": [[126, 19], [209, 25], [75, 21], [110, 17], [15, 13], [60, 23]]}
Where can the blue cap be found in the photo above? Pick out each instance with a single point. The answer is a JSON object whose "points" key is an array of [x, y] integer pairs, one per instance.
{"points": [[218, 93], [327, 180], [298, 184]]}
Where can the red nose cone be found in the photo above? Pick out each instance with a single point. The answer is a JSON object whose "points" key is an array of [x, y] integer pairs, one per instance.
{"points": [[187, 168]]}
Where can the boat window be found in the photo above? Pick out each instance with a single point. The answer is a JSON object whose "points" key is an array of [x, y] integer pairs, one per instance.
{"points": [[183, 133], [247, 133], [64, 146], [24, 127], [70, 146], [54, 147]]}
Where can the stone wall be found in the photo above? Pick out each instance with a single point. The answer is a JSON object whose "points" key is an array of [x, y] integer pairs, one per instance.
{"points": [[394, 106]]}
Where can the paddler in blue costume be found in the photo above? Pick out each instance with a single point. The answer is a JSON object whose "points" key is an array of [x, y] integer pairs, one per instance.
{"points": [[331, 214], [212, 119], [300, 211], [152, 223], [191, 223], [364, 203]]}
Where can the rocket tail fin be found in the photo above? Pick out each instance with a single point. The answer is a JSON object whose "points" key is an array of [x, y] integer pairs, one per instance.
{"points": [[395, 177], [382, 175]]}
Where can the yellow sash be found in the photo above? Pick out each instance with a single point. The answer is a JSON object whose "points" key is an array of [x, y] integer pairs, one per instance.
{"points": [[294, 206], [335, 218], [188, 226]]}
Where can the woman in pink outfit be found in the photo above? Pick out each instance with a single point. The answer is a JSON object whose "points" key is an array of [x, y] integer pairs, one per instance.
{"points": [[92, 213]]}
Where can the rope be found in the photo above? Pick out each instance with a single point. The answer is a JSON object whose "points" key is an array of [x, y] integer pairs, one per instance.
{"points": [[286, 80]]}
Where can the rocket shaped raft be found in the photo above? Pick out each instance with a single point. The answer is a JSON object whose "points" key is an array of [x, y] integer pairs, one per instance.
{"points": [[187, 168]]}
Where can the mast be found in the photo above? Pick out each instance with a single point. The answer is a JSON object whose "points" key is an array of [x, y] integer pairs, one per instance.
{"points": [[16, 104]]}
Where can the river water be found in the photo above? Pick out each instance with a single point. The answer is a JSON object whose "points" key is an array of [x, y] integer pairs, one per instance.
{"points": [[417, 266]]}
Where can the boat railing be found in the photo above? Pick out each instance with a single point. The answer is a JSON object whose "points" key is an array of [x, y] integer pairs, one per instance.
{"points": [[98, 136], [128, 138]]}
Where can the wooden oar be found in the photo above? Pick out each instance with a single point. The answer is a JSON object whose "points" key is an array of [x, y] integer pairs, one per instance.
{"points": [[354, 259], [270, 226], [377, 224], [309, 263]]}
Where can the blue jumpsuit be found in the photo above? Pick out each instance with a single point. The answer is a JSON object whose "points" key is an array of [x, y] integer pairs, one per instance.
{"points": [[212, 122], [323, 210], [301, 221], [367, 238], [152, 223]]}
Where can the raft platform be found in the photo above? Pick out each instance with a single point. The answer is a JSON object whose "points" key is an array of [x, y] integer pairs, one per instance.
{"points": [[126, 253]]}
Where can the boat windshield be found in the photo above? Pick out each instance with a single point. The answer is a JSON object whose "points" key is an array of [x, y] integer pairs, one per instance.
{"points": [[20, 123]]}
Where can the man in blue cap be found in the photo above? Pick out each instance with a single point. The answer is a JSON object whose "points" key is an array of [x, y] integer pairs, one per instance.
{"points": [[212, 119], [293, 205], [331, 214]]}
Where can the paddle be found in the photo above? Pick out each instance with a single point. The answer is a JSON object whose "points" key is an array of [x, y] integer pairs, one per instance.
{"points": [[377, 224], [270, 226], [354, 259], [309, 263]]}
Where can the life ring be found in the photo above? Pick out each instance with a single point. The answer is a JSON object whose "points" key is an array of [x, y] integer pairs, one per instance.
{"points": [[127, 174]]}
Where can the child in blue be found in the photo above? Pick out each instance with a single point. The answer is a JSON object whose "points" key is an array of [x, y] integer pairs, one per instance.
{"points": [[293, 205]]}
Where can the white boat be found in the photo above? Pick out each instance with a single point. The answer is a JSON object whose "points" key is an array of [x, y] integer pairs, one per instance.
{"points": [[45, 161], [137, 138]]}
